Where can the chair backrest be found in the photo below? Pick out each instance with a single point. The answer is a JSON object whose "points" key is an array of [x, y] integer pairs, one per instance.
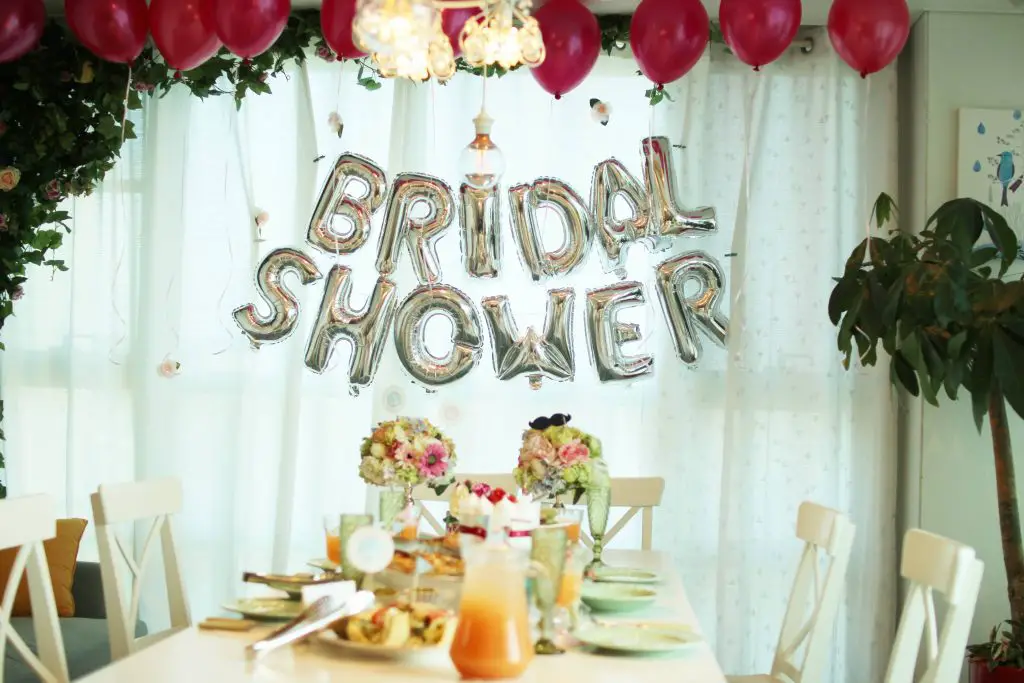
{"points": [[934, 564], [27, 522], [154, 500], [814, 601], [639, 494]]}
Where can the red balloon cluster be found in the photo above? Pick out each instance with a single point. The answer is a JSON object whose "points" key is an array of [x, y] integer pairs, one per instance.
{"points": [[21, 27], [183, 32], [869, 34], [249, 27], [759, 31], [114, 30], [336, 24], [572, 43], [668, 37]]}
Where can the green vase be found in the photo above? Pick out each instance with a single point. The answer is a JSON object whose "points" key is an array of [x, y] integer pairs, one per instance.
{"points": [[393, 500]]}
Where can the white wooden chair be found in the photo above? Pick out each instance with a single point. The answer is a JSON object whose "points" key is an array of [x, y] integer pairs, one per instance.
{"points": [[27, 522], [813, 604], [934, 564], [639, 494], [157, 500]]}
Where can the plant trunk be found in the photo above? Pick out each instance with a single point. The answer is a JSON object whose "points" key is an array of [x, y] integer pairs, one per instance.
{"points": [[1009, 512]]}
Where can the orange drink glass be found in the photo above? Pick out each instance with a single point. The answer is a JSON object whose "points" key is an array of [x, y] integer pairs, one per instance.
{"points": [[492, 640], [332, 531], [572, 518]]}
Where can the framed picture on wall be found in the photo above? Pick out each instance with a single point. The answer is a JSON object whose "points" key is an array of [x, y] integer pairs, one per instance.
{"points": [[990, 166]]}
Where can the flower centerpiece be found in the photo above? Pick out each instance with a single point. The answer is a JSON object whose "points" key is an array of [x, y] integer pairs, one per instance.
{"points": [[556, 459], [406, 452]]}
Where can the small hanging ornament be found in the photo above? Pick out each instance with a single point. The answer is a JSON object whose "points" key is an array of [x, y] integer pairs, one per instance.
{"points": [[261, 220], [336, 124], [600, 111], [168, 368]]}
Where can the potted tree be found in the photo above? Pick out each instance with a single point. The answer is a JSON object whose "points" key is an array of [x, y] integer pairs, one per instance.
{"points": [[948, 320]]}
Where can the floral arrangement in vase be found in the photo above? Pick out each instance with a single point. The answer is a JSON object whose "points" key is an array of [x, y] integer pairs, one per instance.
{"points": [[555, 458], [407, 452]]}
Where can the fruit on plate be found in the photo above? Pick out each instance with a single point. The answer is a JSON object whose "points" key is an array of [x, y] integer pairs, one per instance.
{"points": [[416, 624]]}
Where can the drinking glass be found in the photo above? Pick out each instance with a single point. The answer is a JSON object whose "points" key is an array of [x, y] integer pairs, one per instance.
{"points": [[572, 520], [331, 523], [548, 553], [599, 499], [571, 588], [349, 523]]}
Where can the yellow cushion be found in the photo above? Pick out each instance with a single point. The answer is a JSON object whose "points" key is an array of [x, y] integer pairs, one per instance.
{"points": [[62, 558]]}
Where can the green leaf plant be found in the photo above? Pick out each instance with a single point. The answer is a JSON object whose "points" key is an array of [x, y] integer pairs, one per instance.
{"points": [[949, 320]]}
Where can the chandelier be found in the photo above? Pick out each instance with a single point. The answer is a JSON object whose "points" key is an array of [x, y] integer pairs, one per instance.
{"points": [[405, 37]]}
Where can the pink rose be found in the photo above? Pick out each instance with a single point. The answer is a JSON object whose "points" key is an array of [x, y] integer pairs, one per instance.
{"points": [[401, 452], [17, 293], [52, 190], [325, 54], [536, 447], [573, 452], [9, 178], [168, 368], [481, 490]]}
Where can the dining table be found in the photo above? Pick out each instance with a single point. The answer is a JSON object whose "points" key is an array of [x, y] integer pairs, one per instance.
{"points": [[200, 656]]}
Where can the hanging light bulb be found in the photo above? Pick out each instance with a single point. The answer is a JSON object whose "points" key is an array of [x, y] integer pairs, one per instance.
{"points": [[481, 162]]}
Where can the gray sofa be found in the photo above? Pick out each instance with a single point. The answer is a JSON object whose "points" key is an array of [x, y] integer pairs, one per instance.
{"points": [[86, 639]]}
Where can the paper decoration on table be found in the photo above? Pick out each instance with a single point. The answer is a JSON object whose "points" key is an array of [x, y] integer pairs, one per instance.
{"points": [[416, 212], [370, 549]]}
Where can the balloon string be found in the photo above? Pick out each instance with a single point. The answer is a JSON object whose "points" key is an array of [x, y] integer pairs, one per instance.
{"points": [[124, 109], [227, 281], [865, 141], [739, 237], [122, 191]]}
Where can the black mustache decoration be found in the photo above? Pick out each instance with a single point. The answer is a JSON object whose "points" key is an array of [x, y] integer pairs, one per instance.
{"points": [[556, 420]]}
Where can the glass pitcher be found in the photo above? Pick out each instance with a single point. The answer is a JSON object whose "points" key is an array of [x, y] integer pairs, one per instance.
{"points": [[492, 640]]}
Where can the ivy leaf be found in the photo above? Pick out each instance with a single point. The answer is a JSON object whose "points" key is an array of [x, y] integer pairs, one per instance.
{"points": [[884, 209]]}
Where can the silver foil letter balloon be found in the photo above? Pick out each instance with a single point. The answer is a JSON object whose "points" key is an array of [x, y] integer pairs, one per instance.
{"points": [[480, 215], [668, 219], [284, 307], [531, 354], [612, 180], [688, 316], [607, 334], [423, 303], [365, 329], [337, 202], [524, 203], [420, 233]]}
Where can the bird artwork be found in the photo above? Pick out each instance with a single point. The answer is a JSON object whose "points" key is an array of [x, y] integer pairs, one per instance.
{"points": [[1005, 172]]}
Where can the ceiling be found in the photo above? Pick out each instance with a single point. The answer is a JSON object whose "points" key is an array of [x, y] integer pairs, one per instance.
{"points": [[815, 11]]}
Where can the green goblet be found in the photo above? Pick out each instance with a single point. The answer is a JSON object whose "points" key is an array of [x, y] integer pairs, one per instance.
{"points": [[548, 557], [599, 503]]}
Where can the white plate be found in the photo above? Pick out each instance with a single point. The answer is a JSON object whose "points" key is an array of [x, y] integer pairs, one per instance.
{"points": [[639, 638], [398, 654]]}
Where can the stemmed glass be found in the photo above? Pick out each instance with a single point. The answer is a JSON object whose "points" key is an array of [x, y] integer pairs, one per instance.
{"points": [[548, 555], [599, 499]]}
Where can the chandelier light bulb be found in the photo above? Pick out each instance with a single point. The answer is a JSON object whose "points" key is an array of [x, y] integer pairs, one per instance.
{"points": [[481, 162], [391, 26]]}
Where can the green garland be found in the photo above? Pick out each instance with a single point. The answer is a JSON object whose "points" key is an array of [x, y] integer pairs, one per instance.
{"points": [[62, 124]]}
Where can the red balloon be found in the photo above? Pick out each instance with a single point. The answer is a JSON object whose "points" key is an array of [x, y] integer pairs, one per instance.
{"points": [[336, 24], [452, 21], [183, 31], [21, 27], [249, 27], [759, 31], [668, 37], [114, 30], [572, 42], [869, 34]]}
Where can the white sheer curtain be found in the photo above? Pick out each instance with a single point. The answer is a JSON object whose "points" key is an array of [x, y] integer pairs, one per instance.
{"points": [[165, 249]]}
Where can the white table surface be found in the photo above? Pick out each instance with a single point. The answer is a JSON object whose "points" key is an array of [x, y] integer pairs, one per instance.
{"points": [[195, 656]]}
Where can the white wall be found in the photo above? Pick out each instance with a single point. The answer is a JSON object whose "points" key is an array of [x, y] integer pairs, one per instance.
{"points": [[947, 483]]}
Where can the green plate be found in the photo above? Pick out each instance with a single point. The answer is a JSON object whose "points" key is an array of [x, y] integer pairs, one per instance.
{"points": [[617, 597], [265, 609], [639, 638], [625, 575]]}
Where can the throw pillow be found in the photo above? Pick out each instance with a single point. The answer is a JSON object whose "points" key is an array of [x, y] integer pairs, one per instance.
{"points": [[62, 558]]}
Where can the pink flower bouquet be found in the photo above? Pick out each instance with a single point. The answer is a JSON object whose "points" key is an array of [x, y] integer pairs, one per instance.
{"points": [[407, 452], [556, 458]]}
